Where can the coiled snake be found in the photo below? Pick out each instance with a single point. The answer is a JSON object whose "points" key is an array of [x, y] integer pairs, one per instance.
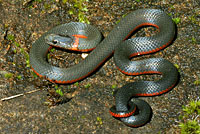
{"points": [[84, 37]]}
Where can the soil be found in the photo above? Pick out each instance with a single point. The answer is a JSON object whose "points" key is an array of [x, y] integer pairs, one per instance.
{"points": [[84, 108]]}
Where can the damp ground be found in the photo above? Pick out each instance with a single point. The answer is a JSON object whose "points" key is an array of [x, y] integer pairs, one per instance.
{"points": [[85, 106]]}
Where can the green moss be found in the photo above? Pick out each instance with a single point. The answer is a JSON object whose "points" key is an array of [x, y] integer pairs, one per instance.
{"points": [[59, 91], [197, 82], [190, 124], [192, 18], [177, 20], [193, 107], [83, 117], [19, 77], [52, 50], [11, 39], [178, 67], [113, 86], [11, 75], [194, 41], [38, 0], [17, 44], [76, 84], [88, 85], [64, 1], [14, 51], [47, 6], [171, 6], [78, 8], [124, 15], [74, 119], [99, 120], [8, 75], [48, 56], [190, 127]]}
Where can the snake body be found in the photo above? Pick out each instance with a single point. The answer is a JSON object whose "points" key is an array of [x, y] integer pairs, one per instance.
{"points": [[133, 113]]}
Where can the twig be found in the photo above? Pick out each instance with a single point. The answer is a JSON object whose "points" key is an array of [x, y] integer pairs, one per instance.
{"points": [[18, 95]]}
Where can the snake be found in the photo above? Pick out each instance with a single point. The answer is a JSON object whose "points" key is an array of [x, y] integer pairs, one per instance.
{"points": [[77, 36]]}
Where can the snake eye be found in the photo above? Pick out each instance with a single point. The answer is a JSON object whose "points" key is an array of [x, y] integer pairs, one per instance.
{"points": [[54, 41]]}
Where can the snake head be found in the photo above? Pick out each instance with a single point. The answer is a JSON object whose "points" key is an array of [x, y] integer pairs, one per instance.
{"points": [[59, 41]]}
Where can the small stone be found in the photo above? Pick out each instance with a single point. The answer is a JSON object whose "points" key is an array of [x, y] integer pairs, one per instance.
{"points": [[84, 55]]}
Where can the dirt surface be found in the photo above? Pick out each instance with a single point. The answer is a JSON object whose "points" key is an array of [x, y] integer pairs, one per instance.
{"points": [[22, 22]]}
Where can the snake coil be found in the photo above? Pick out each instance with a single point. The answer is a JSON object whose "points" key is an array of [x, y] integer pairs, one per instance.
{"points": [[133, 112]]}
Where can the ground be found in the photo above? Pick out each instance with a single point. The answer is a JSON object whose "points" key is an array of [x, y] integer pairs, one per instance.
{"points": [[23, 21]]}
